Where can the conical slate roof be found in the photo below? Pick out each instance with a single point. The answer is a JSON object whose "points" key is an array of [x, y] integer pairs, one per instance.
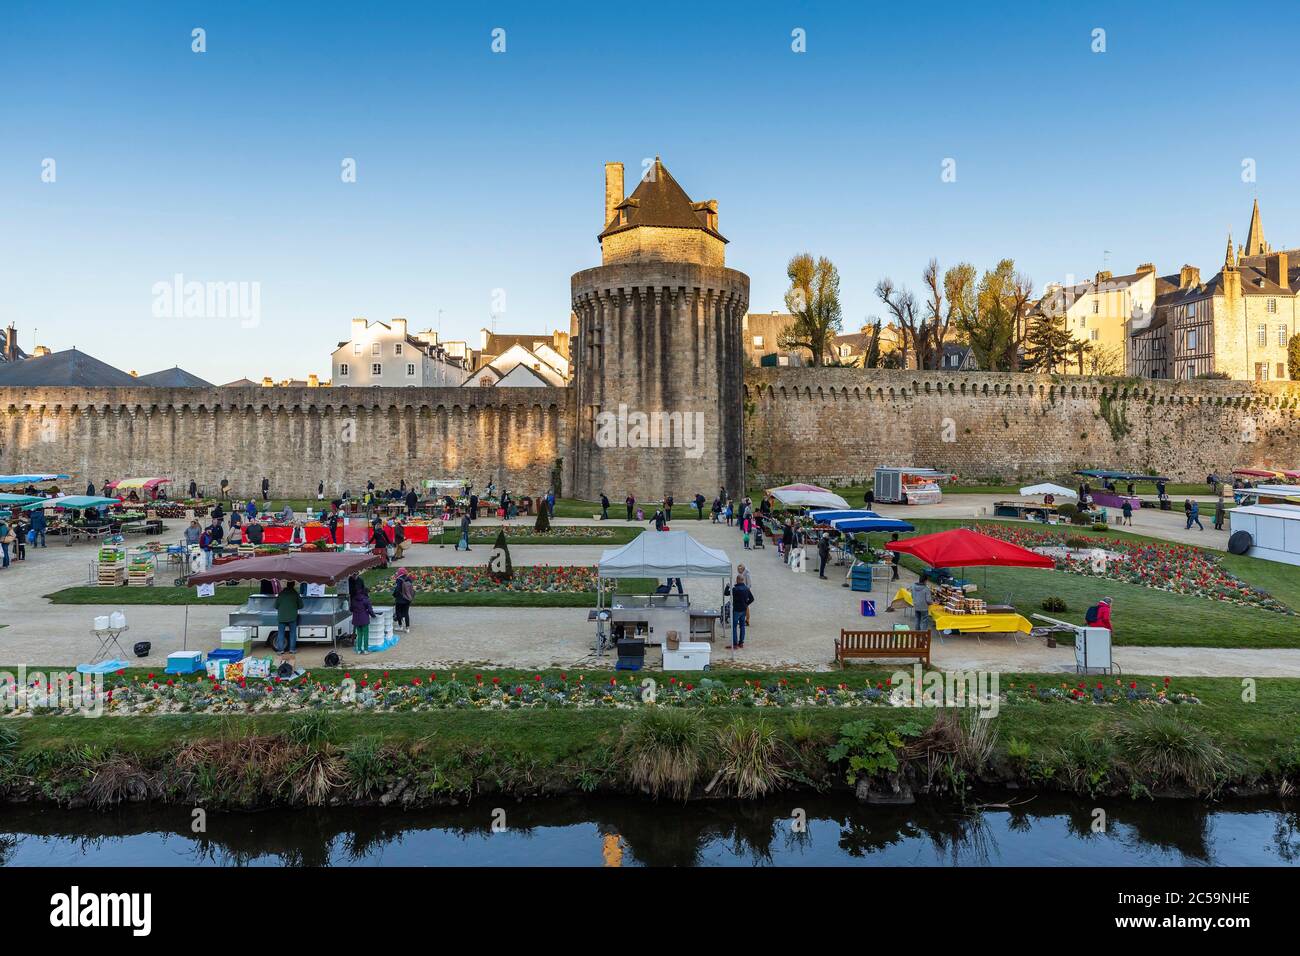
{"points": [[69, 368], [657, 201], [175, 377]]}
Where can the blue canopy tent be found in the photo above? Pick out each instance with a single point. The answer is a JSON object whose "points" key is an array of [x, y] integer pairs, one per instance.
{"points": [[870, 524], [1118, 475], [7, 499], [76, 502], [830, 514], [30, 479]]}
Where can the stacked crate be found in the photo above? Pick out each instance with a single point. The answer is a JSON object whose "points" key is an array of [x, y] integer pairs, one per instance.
{"points": [[110, 569]]}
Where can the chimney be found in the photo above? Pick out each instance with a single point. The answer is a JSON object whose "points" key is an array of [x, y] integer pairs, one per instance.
{"points": [[399, 326], [1275, 267], [708, 213], [11, 343], [1188, 276], [1145, 268], [313, 381], [613, 189]]}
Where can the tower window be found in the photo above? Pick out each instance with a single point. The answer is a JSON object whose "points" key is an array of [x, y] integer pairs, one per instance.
{"points": [[376, 370]]}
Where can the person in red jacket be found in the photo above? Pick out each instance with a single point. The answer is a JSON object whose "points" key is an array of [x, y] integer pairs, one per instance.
{"points": [[1103, 613]]}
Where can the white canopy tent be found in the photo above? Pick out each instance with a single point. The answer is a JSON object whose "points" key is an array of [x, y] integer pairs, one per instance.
{"points": [[664, 554], [807, 496], [1047, 488]]}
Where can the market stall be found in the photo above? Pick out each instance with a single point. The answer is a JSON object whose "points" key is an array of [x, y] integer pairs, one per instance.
{"points": [[1268, 495], [1109, 497], [807, 496], [323, 616], [909, 486], [1043, 510], [144, 488], [650, 619], [952, 609], [93, 520]]}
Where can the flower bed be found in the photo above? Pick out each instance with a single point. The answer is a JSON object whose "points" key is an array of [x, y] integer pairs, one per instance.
{"points": [[1181, 569], [156, 694], [532, 579], [555, 531]]}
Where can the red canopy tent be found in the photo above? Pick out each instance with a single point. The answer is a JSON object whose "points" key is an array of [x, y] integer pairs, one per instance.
{"points": [[326, 567], [963, 548]]}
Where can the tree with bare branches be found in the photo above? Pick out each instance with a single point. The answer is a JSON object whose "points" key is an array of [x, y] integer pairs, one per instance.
{"points": [[906, 315]]}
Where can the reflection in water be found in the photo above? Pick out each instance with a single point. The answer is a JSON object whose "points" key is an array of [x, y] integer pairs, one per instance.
{"points": [[1043, 830]]}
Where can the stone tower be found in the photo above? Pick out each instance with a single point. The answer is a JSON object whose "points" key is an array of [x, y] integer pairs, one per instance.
{"points": [[657, 359]]}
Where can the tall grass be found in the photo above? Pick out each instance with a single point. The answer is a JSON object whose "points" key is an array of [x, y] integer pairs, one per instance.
{"points": [[665, 750], [1164, 750], [751, 758]]}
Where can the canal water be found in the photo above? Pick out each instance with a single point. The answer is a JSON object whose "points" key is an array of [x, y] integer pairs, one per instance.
{"points": [[1006, 830]]}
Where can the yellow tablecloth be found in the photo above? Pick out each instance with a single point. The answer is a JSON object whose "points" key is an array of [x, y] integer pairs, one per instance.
{"points": [[991, 623]]}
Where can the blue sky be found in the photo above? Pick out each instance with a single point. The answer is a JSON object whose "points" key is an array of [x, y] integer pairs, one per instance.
{"points": [[479, 171]]}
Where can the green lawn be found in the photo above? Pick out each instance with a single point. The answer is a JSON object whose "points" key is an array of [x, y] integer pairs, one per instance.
{"points": [[1143, 616], [238, 594]]}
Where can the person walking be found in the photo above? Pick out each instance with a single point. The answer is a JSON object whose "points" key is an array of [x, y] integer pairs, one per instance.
{"points": [[362, 612], [1195, 517], [604, 507], [1219, 512], [631, 503], [1127, 511], [920, 593], [741, 598], [287, 605], [1187, 513], [473, 507], [787, 540], [333, 522], [7, 537], [743, 572], [869, 499], [464, 531], [194, 489], [38, 528], [320, 491], [668, 508], [744, 532], [266, 489], [403, 596], [380, 542], [823, 554], [699, 506]]}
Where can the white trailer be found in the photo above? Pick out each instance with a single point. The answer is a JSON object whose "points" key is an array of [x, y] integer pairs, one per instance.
{"points": [[1271, 532]]}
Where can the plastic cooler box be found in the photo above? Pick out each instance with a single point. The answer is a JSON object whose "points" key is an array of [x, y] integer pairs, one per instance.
{"points": [[185, 662], [860, 577]]}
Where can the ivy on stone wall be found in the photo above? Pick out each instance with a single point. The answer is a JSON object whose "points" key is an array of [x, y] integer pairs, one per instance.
{"points": [[1115, 415]]}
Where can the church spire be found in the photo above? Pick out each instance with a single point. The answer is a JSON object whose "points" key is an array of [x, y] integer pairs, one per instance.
{"points": [[1255, 244], [1229, 259]]}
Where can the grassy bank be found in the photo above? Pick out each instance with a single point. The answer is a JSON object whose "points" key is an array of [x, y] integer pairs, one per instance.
{"points": [[317, 757], [237, 594]]}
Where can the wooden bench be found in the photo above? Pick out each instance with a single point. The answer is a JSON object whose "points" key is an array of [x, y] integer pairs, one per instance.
{"points": [[881, 644]]}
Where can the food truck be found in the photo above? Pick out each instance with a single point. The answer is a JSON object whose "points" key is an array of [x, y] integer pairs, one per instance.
{"points": [[909, 486]]}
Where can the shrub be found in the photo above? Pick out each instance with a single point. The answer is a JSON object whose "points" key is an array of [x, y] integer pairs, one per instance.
{"points": [[868, 751], [1166, 750], [1100, 526], [1088, 761], [751, 759], [1054, 604], [665, 751], [1075, 543]]}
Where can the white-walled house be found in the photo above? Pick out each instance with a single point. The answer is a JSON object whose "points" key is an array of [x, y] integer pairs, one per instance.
{"points": [[518, 366], [385, 353]]}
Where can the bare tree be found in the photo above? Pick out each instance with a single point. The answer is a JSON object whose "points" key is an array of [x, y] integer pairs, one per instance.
{"points": [[902, 306]]}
